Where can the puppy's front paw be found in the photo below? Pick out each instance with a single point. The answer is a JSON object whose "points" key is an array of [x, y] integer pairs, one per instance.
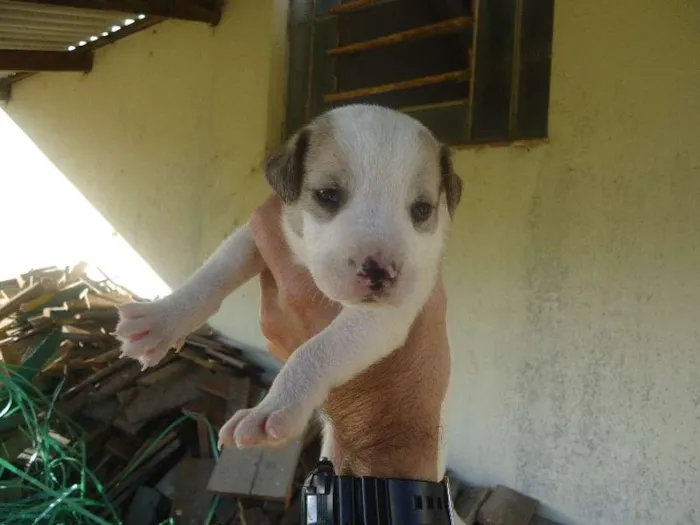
{"points": [[148, 330], [272, 424]]}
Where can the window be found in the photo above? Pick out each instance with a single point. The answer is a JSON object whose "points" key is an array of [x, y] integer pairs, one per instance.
{"points": [[473, 71]]}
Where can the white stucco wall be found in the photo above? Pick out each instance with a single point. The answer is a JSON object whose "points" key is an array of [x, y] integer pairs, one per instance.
{"points": [[573, 266]]}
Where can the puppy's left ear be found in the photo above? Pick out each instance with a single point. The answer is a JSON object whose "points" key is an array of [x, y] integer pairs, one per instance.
{"points": [[450, 182], [284, 170]]}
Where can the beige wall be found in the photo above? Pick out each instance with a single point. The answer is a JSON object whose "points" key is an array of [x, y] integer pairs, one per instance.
{"points": [[573, 268]]}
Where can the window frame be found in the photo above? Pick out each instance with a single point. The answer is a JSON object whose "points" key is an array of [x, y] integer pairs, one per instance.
{"points": [[509, 55]]}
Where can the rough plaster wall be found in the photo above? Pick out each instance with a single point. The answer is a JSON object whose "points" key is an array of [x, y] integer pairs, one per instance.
{"points": [[573, 270], [574, 280]]}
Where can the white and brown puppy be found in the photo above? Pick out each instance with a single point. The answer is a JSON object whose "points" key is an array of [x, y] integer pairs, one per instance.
{"points": [[368, 197]]}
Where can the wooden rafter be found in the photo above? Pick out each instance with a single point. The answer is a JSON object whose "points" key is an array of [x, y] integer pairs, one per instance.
{"points": [[180, 9], [5, 90], [6, 83], [30, 61]]}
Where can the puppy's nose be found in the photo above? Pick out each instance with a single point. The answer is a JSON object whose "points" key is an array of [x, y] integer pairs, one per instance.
{"points": [[375, 274]]}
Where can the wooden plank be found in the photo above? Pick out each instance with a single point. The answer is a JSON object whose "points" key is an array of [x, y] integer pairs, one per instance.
{"points": [[105, 357], [469, 501], [104, 412], [191, 503], [439, 28], [224, 357], [130, 428], [452, 76], [172, 370], [121, 491], [103, 315], [69, 293], [97, 376], [507, 507], [10, 355], [225, 386], [226, 511], [19, 60], [163, 397], [39, 301], [120, 448], [26, 295], [116, 382], [256, 472], [211, 407], [240, 400], [234, 473], [191, 10], [76, 403], [167, 439], [125, 397], [147, 507], [38, 356], [198, 359], [276, 473], [203, 441], [257, 393], [255, 516], [5, 90]]}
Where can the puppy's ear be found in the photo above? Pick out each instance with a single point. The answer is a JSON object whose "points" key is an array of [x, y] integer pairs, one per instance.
{"points": [[284, 170], [451, 184]]}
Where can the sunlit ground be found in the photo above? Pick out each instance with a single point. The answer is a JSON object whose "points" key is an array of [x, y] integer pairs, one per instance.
{"points": [[47, 222]]}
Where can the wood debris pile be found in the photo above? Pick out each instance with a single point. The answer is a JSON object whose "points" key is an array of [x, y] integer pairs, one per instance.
{"points": [[494, 506], [148, 434]]}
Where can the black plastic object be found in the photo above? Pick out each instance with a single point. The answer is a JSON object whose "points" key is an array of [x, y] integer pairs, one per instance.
{"points": [[328, 499]]}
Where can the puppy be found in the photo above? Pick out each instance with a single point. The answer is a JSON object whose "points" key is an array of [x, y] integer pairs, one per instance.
{"points": [[364, 200]]}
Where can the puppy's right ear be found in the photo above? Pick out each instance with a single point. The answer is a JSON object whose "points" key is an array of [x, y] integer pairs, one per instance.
{"points": [[284, 170]]}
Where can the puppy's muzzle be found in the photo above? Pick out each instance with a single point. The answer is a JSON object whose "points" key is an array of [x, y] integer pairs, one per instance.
{"points": [[376, 275]]}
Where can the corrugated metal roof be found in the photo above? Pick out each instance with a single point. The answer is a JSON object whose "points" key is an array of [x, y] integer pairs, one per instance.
{"points": [[43, 26], [49, 28]]}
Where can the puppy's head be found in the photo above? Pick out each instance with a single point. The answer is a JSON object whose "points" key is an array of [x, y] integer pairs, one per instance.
{"points": [[369, 194]]}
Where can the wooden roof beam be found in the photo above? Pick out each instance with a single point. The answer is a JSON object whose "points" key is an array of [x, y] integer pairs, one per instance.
{"points": [[192, 10], [5, 90], [33, 61]]}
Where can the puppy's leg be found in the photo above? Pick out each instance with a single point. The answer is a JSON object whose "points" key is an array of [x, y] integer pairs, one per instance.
{"points": [[148, 330], [356, 339], [329, 444]]}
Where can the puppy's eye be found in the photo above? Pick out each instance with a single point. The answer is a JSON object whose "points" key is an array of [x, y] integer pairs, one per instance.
{"points": [[421, 211], [329, 198]]}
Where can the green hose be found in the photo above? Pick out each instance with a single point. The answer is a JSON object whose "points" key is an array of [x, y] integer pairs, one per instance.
{"points": [[57, 487]]}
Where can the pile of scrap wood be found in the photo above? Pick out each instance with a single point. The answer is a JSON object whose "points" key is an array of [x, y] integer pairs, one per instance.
{"points": [[149, 435], [493, 506]]}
